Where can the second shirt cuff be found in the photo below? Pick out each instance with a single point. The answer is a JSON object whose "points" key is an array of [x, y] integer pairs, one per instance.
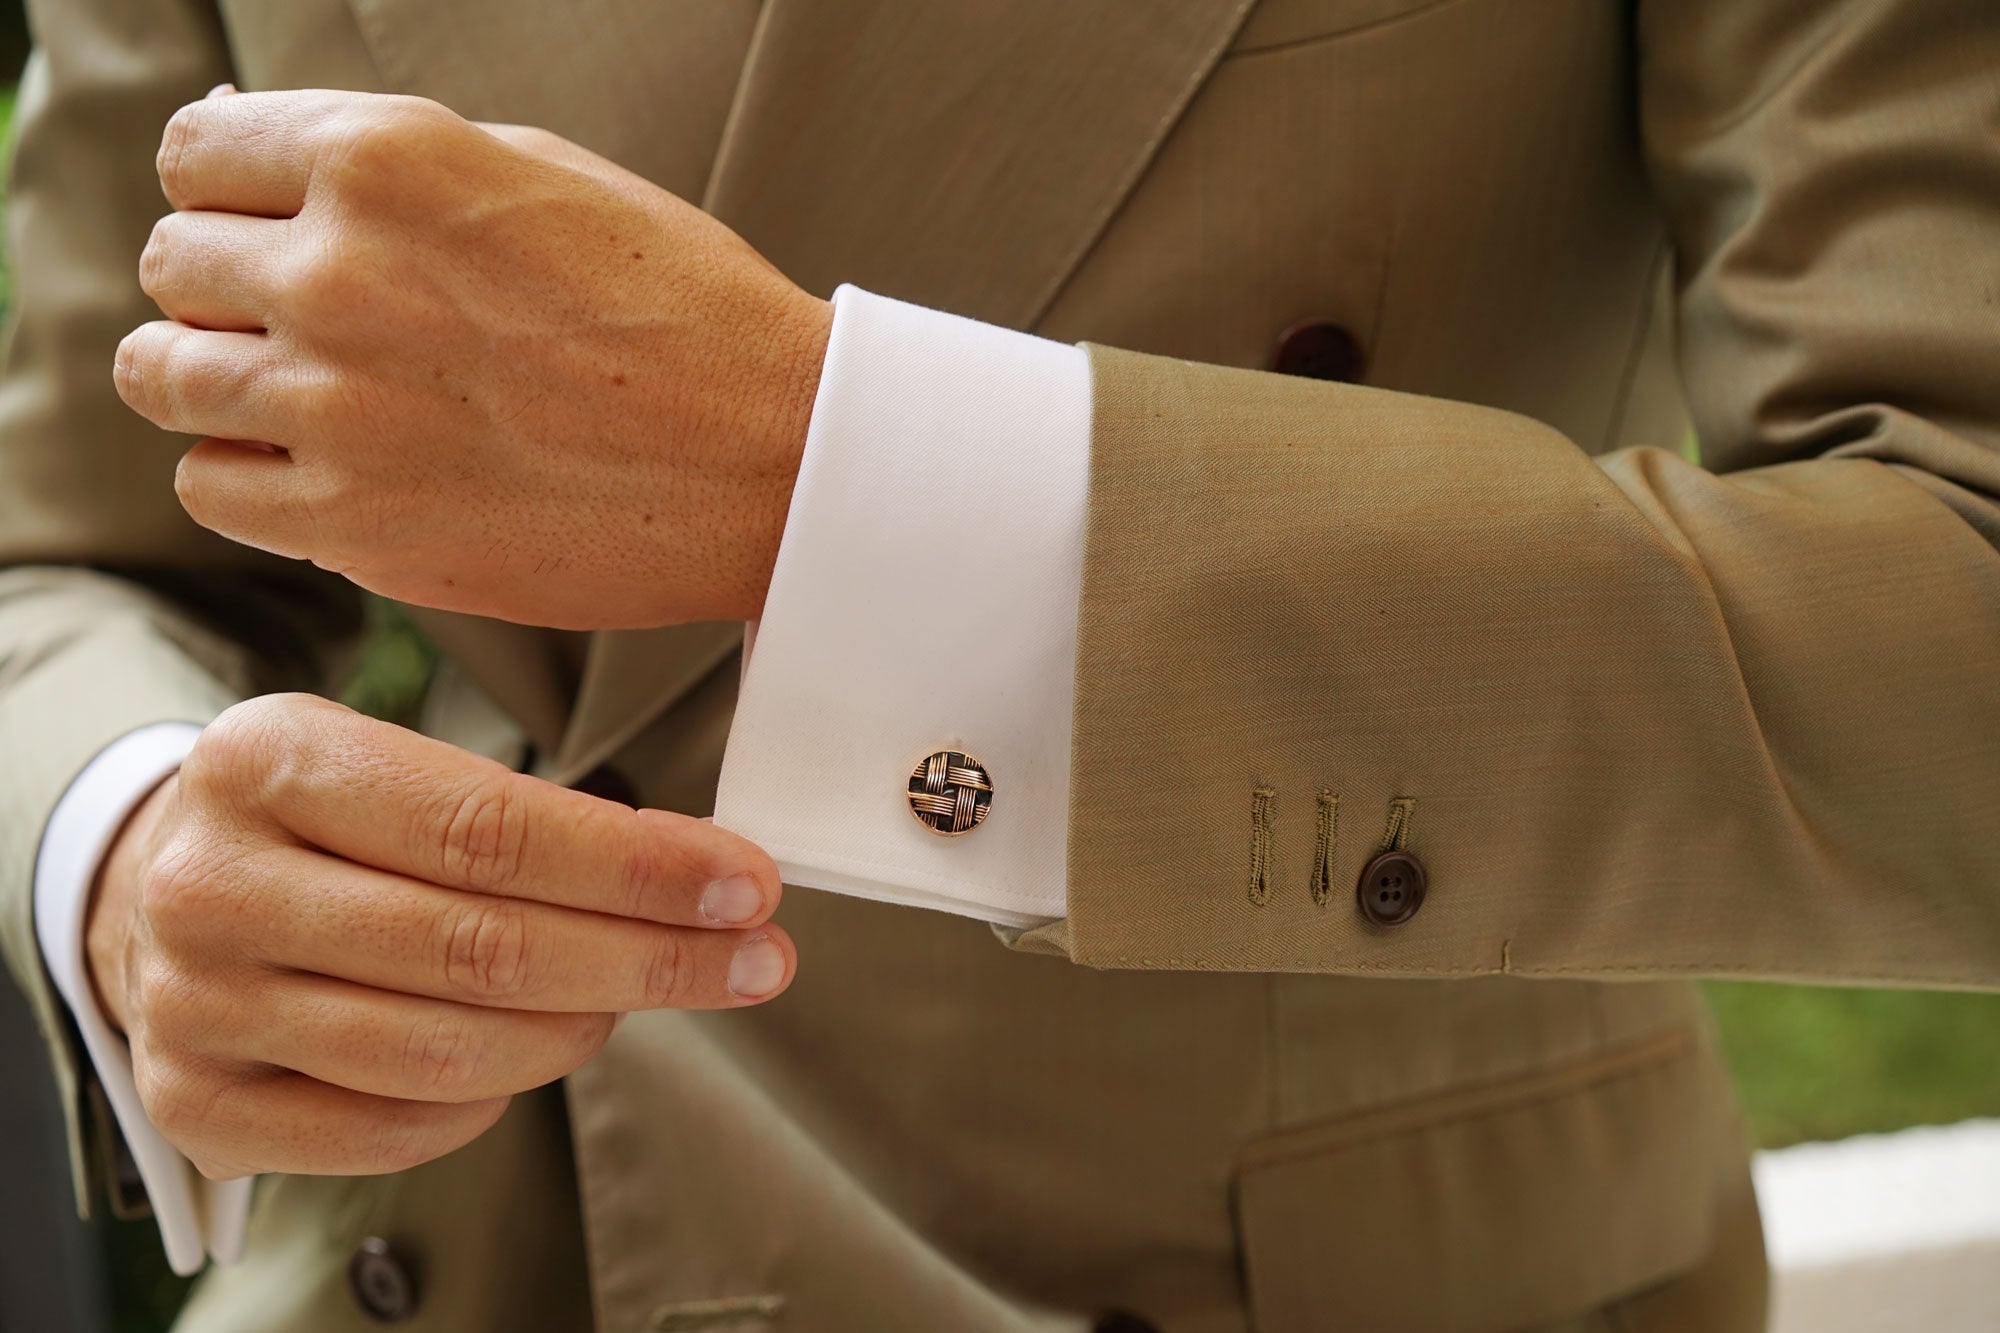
{"points": [[924, 601]]}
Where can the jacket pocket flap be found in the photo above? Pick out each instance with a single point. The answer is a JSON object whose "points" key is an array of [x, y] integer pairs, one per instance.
{"points": [[1501, 1207]]}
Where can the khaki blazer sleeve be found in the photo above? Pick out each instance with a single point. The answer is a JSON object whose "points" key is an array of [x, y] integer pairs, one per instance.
{"points": [[1652, 718], [115, 610]]}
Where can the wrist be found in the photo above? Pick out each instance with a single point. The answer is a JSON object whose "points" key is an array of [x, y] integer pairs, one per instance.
{"points": [[113, 905], [785, 401]]}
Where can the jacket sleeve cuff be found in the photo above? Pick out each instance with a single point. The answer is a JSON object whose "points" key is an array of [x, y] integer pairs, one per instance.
{"points": [[924, 600], [195, 1216]]}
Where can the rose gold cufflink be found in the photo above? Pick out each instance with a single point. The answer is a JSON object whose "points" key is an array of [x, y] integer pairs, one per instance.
{"points": [[950, 793]]}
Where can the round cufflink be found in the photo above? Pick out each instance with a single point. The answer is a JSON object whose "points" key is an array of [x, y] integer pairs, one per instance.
{"points": [[950, 792]]}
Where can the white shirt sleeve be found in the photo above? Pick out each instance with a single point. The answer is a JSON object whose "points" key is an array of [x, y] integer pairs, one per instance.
{"points": [[924, 599], [197, 1217]]}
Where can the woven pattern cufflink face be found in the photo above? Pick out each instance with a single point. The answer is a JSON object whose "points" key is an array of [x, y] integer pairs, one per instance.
{"points": [[950, 793]]}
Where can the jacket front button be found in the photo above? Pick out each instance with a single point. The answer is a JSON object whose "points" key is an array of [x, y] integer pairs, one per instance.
{"points": [[1318, 349], [380, 1282], [1391, 889]]}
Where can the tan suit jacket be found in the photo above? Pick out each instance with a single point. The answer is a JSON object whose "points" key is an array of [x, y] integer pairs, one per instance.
{"points": [[1647, 719]]}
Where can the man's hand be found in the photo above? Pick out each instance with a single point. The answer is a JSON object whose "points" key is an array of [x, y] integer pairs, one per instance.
{"points": [[475, 368], [338, 947]]}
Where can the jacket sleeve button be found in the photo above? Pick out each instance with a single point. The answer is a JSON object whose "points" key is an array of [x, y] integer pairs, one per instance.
{"points": [[381, 1283], [1391, 889]]}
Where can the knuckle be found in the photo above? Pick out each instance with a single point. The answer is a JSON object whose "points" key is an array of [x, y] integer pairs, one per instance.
{"points": [[168, 887], [121, 370], [163, 374], [154, 984], [637, 880], [193, 496], [341, 524], [486, 949], [175, 139], [357, 146], [194, 382], [179, 1100], [443, 1056], [155, 259], [393, 1147], [315, 283], [319, 397], [375, 142], [183, 892], [403, 1139], [668, 977], [265, 749], [652, 864], [250, 747], [138, 370], [485, 836], [591, 1033]]}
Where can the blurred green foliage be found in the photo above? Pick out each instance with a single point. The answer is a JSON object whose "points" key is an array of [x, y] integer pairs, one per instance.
{"points": [[394, 670], [1820, 1063]]}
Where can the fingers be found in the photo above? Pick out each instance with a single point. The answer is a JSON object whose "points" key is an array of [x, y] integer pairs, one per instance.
{"points": [[263, 153], [201, 382], [231, 1123], [394, 1045], [391, 798], [248, 153], [383, 930], [249, 492], [214, 270]]}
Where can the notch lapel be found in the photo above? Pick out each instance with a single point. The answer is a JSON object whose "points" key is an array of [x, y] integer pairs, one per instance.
{"points": [[963, 156]]}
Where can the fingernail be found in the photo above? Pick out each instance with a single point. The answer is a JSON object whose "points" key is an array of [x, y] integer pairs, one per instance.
{"points": [[220, 90], [732, 901], [757, 969]]}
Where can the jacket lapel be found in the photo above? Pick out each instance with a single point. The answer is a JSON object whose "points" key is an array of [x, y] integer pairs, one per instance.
{"points": [[961, 156]]}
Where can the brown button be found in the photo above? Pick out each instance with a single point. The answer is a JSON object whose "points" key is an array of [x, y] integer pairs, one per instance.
{"points": [[1318, 349], [607, 783], [1391, 888], [381, 1283], [950, 792], [1122, 1321]]}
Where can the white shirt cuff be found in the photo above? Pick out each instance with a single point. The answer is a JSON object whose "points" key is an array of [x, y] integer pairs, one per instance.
{"points": [[924, 599], [197, 1217]]}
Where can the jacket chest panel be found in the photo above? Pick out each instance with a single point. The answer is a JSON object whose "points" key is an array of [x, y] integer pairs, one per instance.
{"points": [[1455, 185], [648, 86]]}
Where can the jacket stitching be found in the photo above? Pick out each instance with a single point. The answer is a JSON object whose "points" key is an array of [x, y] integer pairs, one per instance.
{"points": [[1486, 1099], [1396, 834], [1261, 801], [1326, 839]]}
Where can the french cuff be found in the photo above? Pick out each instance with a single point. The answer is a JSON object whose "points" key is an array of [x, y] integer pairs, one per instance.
{"points": [[923, 604], [196, 1217]]}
